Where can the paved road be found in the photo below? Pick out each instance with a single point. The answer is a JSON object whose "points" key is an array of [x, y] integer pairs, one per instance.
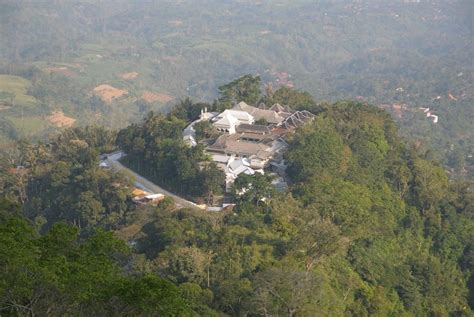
{"points": [[145, 184]]}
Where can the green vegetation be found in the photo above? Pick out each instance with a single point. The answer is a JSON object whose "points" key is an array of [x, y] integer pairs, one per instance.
{"points": [[62, 181], [156, 148], [246, 88], [14, 91], [390, 53], [60, 273], [369, 226], [28, 126]]}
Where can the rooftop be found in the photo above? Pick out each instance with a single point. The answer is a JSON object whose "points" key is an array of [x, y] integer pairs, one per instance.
{"points": [[236, 113], [227, 119], [253, 128], [268, 115], [233, 145]]}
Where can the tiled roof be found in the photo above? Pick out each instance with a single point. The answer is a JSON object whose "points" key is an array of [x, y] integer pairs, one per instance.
{"points": [[227, 119], [232, 144], [253, 128], [268, 115]]}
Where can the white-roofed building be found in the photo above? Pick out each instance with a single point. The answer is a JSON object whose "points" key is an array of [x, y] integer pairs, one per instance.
{"points": [[228, 120]]}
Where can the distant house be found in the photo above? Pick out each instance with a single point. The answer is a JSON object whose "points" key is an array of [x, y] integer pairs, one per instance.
{"points": [[228, 120]]}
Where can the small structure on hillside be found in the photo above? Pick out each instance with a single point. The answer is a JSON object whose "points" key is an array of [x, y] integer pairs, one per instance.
{"points": [[104, 164], [142, 197]]}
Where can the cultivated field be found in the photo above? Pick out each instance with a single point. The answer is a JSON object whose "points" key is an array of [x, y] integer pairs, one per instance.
{"points": [[29, 125], [14, 91], [107, 92], [149, 96], [58, 119], [128, 76]]}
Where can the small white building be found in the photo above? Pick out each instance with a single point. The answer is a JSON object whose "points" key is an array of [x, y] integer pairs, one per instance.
{"points": [[235, 167], [104, 164], [228, 120]]}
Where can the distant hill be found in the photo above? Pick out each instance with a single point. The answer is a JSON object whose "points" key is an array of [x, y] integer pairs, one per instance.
{"points": [[382, 52]]}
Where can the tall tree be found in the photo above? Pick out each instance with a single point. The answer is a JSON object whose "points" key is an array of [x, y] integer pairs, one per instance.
{"points": [[246, 88]]}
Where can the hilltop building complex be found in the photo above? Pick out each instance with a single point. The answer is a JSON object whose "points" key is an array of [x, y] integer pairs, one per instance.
{"points": [[251, 138]]}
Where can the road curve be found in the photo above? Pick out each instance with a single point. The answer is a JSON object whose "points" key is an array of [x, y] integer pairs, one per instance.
{"points": [[145, 184]]}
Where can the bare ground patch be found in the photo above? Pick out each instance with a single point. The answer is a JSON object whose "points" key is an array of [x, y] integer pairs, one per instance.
{"points": [[60, 120], [128, 76], [4, 107], [175, 23], [60, 70], [149, 96], [107, 93]]}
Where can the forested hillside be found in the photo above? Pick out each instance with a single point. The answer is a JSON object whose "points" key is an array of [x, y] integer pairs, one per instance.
{"points": [[110, 62], [370, 226]]}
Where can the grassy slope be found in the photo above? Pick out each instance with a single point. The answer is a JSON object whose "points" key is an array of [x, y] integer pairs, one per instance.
{"points": [[17, 88]]}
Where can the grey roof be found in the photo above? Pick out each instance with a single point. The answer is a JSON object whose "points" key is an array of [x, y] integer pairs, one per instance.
{"points": [[297, 119], [268, 115], [233, 145], [279, 108], [253, 128]]}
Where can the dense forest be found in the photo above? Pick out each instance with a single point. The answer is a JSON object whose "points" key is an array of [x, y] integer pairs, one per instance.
{"points": [[66, 63], [378, 216], [370, 226]]}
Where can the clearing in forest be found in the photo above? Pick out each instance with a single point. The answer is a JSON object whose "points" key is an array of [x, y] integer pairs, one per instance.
{"points": [[149, 96], [60, 120], [131, 75], [14, 91], [60, 70], [107, 93]]}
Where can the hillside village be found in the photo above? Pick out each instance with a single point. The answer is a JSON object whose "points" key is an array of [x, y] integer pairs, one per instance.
{"points": [[250, 139]]}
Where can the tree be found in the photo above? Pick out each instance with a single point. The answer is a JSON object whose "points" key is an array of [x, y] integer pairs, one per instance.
{"points": [[187, 110], [316, 240], [430, 184], [148, 295], [315, 150], [296, 99], [90, 208], [205, 130], [60, 274], [187, 264], [211, 181], [246, 88], [253, 188], [282, 291]]}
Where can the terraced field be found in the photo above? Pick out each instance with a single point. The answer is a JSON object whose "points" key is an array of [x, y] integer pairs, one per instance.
{"points": [[14, 91]]}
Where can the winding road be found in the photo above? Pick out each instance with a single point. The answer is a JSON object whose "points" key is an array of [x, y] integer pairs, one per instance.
{"points": [[145, 184]]}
